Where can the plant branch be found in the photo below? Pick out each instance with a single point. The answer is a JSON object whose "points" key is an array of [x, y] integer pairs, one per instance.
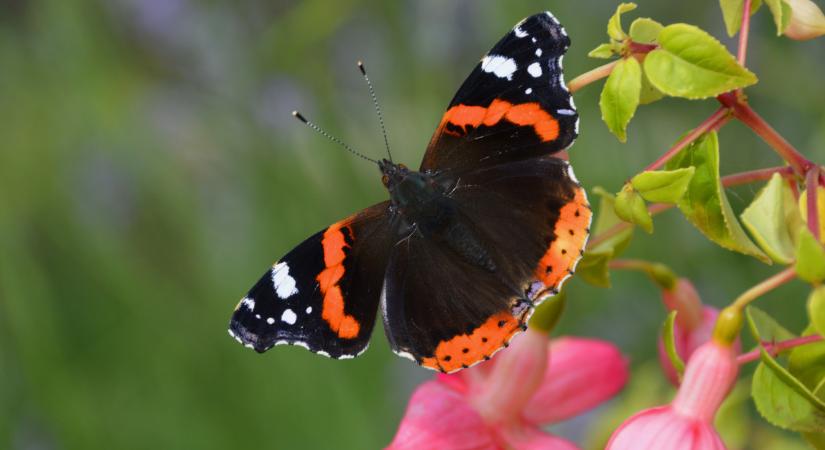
{"points": [[654, 209], [743, 33], [589, 77], [776, 348], [753, 176], [720, 116], [763, 288]]}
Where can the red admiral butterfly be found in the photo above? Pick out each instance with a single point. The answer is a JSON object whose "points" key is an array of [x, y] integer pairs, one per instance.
{"points": [[466, 247]]}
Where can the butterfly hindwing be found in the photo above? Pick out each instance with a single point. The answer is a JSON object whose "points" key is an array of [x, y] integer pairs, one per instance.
{"points": [[323, 295], [514, 105], [525, 225]]}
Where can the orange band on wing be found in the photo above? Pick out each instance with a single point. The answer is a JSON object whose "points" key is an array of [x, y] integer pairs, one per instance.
{"points": [[334, 243], [525, 114], [571, 233], [467, 349]]}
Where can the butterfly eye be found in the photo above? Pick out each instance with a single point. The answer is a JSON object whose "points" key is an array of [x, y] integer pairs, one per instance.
{"points": [[385, 180]]}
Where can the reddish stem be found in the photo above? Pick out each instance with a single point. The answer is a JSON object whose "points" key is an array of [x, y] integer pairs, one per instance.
{"points": [[778, 347], [811, 185], [593, 75], [743, 33], [749, 117], [709, 124], [738, 179]]}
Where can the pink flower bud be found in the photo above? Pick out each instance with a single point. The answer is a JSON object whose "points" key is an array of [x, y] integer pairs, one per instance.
{"points": [[687, 423], [807, 20]]}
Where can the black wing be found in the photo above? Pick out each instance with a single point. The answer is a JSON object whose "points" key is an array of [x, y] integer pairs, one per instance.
{"points": [[514, 105], [323, 295], [447, 311]]}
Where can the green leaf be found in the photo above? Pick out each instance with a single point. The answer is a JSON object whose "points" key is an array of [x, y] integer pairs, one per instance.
{"points": [[781, 398], [607, 219], [781, 12], [593, 269], [603, 51], [765, 328], [670, 344], [631, 207], [620, 96], [816, 309], [649, 93], [645, 30], [705, 204], [666, 186], [807, 363], [810, 258], [692, 64], [766, 220], [614, 25], [732, 13]]}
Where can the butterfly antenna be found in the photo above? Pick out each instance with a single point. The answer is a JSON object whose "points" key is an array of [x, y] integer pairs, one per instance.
{"points": [[332, 138], [377, 108]]}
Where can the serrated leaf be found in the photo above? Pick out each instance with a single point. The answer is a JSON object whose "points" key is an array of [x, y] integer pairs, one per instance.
{"points": [[645, 30], [705, 204], [649, 93], [631, 207], [620, 96], [665, 186], [669, 342], [781, 398], [614, 25], [810, 258], [605, 219], [807, 363], [603, 51], [816, 309], [732, 13], [765, 328], [781, 12], [766, 219], [593, 269], [692, 64]]}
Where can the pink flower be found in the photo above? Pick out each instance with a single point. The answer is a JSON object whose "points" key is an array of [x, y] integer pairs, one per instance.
{"points": [[687, 423], [502, 403]]}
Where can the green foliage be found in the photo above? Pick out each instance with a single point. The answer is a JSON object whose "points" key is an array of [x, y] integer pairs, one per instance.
{"points": [[705, 204], [607, 219], [768, 328], [670, 344], [645, 30], [603, 51], [810, 258], [631, 207], [662, 185], [780, 397], [593, 269], [692, 64], [781, 12], [816, 309], [732, 13], [620, 96], [773, 220], [614, 25]]}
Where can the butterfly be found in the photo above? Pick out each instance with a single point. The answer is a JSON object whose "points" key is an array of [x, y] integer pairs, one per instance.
{"points": [[465, 248]]}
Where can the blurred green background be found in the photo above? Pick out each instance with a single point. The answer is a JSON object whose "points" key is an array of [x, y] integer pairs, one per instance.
{"points": [[150, 172]]}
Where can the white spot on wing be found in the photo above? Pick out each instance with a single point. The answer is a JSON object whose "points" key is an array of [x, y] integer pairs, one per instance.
{"points": [[570, 173], [284, 284], [566, 112], [534, 69], [322, 353], [538, 52], [500, 66], [534, 40], [289, 317], [519, 32], [405, 355], [528, 91], [257, 316], [249, 303], [270, 320], [309, 309]]}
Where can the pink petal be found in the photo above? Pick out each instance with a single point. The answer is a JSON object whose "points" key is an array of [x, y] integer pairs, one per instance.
{"points": [[438, 417], [522, 436], [582, 373], [514, 377], [709, 376], [663, 429], [687, 341]]}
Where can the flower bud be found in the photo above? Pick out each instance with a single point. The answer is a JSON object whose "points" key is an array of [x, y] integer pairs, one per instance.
{"points": [[807, 20]]}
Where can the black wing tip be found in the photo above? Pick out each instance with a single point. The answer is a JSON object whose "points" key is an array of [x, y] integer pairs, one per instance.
{"points": [[247, 338]]}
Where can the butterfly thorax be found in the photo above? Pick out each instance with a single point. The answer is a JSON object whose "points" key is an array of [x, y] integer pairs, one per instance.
{"points": [[422, 204]]}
